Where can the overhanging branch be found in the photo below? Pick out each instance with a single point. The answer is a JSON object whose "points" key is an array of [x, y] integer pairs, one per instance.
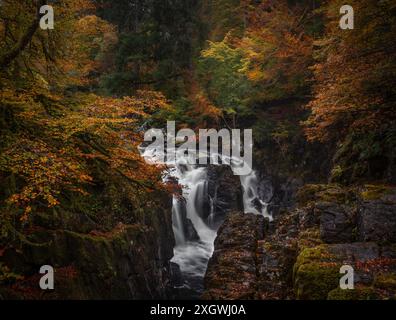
{"points": [[11, 55]]}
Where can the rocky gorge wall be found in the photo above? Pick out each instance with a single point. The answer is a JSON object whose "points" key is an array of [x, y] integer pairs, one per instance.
{"points": [[299, 254], [130, 261]]}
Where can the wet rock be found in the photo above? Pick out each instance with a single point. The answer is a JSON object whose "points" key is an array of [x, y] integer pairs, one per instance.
{"points": [[126, 263], [232, 271], [308, 217], [351, 252], [265, 188], [337, 222], [176, 275], [275, 262], [224, 194], [284, 191], [377, 219], [278, 192], [191, 233], [303, 249], [130, 261]]}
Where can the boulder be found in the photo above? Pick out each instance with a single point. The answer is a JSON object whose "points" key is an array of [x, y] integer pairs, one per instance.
{"points": [[337, 222], [189, 229], [377, 219], [224, 194], [317, 270], [232, 272]]}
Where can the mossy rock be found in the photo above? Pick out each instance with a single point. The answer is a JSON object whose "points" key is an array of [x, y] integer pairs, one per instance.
{"points": [[6, 275], [316, 273], [375, 192], [314, 280], [359, 293], [309, 238], [324, 193], [307, 193], [386, 281]]}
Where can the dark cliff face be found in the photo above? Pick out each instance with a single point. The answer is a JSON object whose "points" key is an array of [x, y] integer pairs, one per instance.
{"points": [[231, 272], [130, 261], [300, 253]]}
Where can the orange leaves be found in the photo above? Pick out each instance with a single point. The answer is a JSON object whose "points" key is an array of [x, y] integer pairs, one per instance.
{"points": [[204, 107], [354, 75], [45, 172], [68, 54], [91, 37], [376, 265], [55, 154], [277, 49], [144, 103]]}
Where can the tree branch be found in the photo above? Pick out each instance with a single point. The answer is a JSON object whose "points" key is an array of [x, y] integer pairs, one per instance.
{"points": [[11, 55]]}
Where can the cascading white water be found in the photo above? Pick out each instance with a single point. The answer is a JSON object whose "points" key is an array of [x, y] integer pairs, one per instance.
{"points": [[251, 199], [193, 256]]}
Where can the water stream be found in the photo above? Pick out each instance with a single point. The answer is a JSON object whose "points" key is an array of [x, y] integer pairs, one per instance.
{"points": [[193, 256]]}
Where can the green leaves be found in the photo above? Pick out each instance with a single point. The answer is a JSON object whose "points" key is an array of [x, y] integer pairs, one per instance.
{"points": [[221, 67]]}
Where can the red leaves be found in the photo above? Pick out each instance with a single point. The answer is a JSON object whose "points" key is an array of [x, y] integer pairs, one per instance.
{"points": [[375, 265]]}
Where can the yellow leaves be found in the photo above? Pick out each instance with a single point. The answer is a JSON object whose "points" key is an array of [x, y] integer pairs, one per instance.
{"points": [[255, 75], [222, 51], [43, 160], [51, 158], [85, 178], [52, 201], [91, 36], [93, 26], [44, 171], [350, 70], [26, 213]]}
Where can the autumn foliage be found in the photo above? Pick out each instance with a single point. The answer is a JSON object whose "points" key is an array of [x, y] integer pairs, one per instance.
{"points": [[283, 68], [290, 64], [54, 139]]}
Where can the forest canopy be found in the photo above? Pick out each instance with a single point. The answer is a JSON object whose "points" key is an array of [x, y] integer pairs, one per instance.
{"points": [[60, 139], [74, 100]]}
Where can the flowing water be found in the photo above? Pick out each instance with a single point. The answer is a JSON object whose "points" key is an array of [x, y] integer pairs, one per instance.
{"points": [[193, 256]]}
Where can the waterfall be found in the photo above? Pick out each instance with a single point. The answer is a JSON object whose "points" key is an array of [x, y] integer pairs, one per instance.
{"points": [[251, 199], [193, 256]]}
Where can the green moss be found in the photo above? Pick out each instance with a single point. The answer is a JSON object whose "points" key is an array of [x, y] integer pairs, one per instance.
{"points": [[359, 293], [309, 238], [318, 253], [336, 173], [385, 281], [307, 193], [323, 192], [314, 280], [7, 276], [375, 192], [265, 245], [316, 273], [355, 233]]}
